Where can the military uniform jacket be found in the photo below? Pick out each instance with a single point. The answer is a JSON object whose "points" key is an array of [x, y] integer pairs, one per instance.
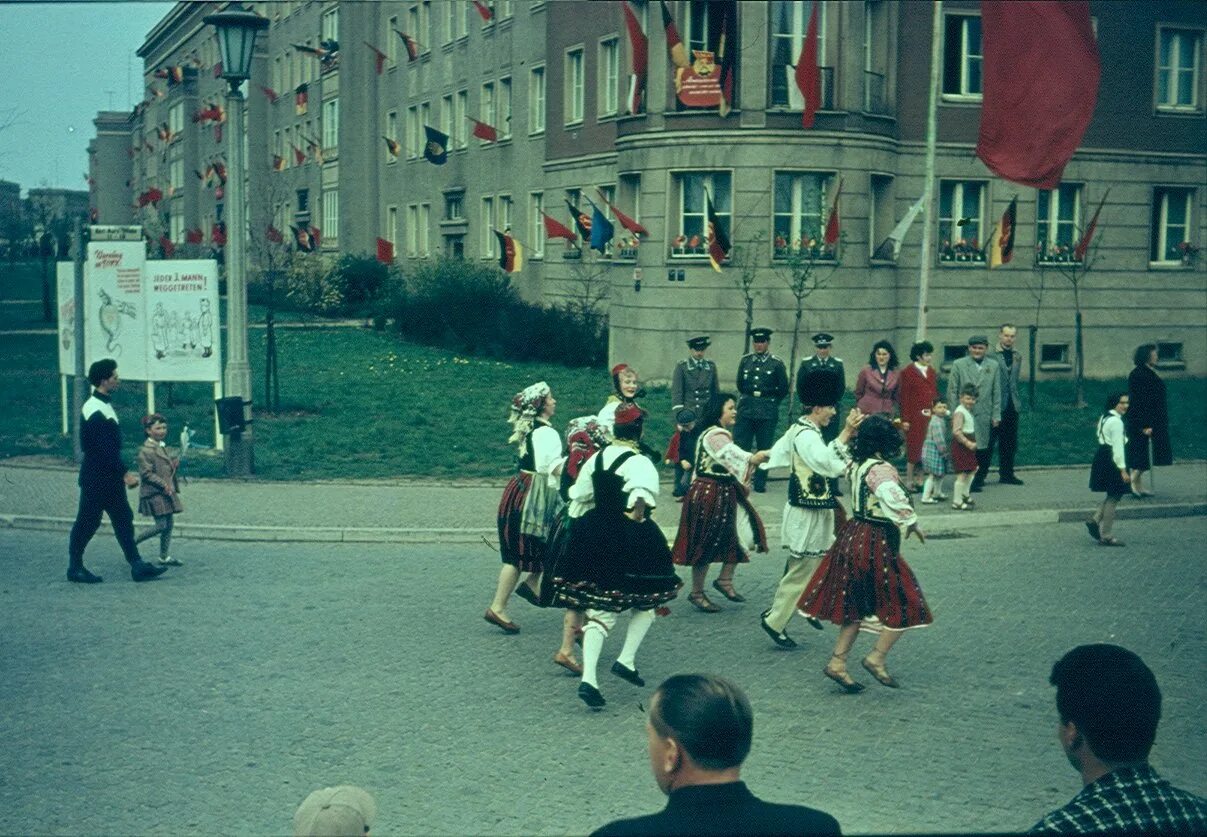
{"points": [[763, 383], [693, 385], [831, 364], [987, 378]]}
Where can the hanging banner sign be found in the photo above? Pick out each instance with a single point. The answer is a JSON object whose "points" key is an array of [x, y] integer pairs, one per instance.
{"points": [[182, 317], [114, 306], [65, 276], [699, 86]]}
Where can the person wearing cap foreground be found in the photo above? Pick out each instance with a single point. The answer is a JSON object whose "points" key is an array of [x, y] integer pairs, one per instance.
{"points": [[981, 371], [617, 558], [811, 514], [699, 730], [342, 811], [762, 384], [718, 524], [1109, 705]]}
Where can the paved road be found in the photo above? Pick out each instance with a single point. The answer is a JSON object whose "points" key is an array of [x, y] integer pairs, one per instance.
{"points": [[215, 699]]}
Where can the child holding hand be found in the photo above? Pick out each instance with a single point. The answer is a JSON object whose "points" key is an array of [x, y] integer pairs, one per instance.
{"points": [[158, 494]]}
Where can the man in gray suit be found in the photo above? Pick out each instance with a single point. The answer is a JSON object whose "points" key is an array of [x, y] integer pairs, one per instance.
{"points": [[976, 368], [1005, 435]]}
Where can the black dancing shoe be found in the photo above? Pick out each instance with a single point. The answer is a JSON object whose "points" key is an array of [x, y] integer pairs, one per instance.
{"points": [[815, 623], [778, 637], [591, 696], [625, 673], [143, 571], [81, 576]]}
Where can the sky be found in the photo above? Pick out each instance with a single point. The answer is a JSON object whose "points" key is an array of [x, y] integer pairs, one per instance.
{"points": [[62, 63]]}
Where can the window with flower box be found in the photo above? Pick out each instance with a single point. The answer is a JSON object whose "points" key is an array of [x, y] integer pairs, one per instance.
{"points": [[1179, 69], [962, 57], [961, 208], [1171, 227], [799, 214], [691, 237], [629, 201], [1057, 223]]}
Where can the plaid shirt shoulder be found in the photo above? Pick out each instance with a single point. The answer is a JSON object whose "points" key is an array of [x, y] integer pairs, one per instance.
{"points": [[1128, 800]]}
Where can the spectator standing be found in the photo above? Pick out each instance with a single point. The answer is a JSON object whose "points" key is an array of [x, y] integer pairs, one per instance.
{"points": [[1110, 705], [1109, 471], [936, 453], [1005, 435], [919, 389], [699, 731], [762, 384], [878, 382], [982, 372], [1147, 419]]}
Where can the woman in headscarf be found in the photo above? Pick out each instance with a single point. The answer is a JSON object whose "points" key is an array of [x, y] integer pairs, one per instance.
{"points": [[530, 501]]}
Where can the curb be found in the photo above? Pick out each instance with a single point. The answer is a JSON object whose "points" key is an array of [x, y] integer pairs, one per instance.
{"points": [[941, 525]]}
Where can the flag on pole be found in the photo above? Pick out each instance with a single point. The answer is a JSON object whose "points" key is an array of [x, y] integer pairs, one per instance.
{"points": [[411, 45], [278, 162], [1083, 245], [484, 11], [674, 44], [639, 46], [218, 234], [301, 237], [393, 146], [1040, 75], [890, 248], [718, 241], [435, 150], [274, 235], [301, 98], [194, 236], [1001, 245], [808, 74], [602, 230], [270, 93], [385, 251], [581, 221], [483, 131], [556, 229], [832, 224], [379, 58], [511, 253], [624, 220], [169, 249], [299, 156]]}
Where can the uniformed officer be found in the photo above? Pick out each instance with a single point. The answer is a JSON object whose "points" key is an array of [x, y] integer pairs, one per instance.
{"points": [[824, 358], [694, 381], [763, 383]]}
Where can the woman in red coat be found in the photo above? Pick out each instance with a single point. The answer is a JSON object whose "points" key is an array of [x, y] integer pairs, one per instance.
{"points": [[919, 389]]}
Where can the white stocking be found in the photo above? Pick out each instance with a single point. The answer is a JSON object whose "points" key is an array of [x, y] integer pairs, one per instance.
{"points": [[639, 626], [928, 488], [595, 630]]}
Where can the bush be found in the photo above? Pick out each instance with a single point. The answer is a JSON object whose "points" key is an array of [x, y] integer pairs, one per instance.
{"points": [[353, 287], [474, 309]]}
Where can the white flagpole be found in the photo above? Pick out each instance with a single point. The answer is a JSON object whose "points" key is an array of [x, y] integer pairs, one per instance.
{"points": [[928, 220]]}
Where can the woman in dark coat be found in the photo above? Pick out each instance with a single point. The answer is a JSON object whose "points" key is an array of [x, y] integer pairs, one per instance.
{"points": [[1147, 419]]}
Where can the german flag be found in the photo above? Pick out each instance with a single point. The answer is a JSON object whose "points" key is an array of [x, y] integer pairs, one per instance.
{"points": [[393, 146], [718, 241], [511, 254], [1001, 246]]}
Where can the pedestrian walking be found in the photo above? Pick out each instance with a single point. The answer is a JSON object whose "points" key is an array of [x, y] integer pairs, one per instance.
{"points": [[104, 480], [718, 524], [530, 500], [918, 390], [159, 490], [864, 575], [762, 384], [1148, 443], [936, 453], [964, 435], [1109, 472]]}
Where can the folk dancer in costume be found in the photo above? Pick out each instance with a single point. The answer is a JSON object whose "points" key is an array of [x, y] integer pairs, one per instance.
{"points": [[823, 358], [530, 500], [617, 558], [718, 524], [863, 574], [584, 437], [693, 384], [625, 390], [812, 513], [762, 383]]}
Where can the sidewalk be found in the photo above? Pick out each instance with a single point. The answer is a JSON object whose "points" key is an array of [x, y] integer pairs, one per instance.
{"points": [[34, 495]]}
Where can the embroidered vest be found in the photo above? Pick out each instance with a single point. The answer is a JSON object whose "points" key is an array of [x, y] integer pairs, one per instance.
{"points": [[705, 465], [807, 489], [865, 505]]}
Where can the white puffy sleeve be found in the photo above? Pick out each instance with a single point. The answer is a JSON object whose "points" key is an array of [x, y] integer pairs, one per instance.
{"points": [[607, 416], [882, 479], [721, 447], [828, 460], [582, 493], [547, 454], [780, 454], [640, 481]]}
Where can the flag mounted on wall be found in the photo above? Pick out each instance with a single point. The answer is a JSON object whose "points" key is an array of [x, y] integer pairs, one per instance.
{"points": [[379, 58], [385, 251], [511, 253], [832, 224], [718, 241], [639, 47], [412, 46], [435, 150], [556, 229], [484, 10], [484, 132], [1083, 246], [1001, 245], [602, 230], [393, 146], [581, 220], [808, 74]]}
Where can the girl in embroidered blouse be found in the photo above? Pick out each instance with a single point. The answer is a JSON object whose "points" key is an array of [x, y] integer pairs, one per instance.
{"points": [[718, 524], [530, 501], [878, 382]]}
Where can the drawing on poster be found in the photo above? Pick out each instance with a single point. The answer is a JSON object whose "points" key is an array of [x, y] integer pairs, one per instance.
{"points": [[183, 332], [110, 318]]}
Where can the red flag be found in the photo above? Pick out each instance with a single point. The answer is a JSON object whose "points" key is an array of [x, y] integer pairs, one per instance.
{"points": [[718, 241], [315, 236], [218, 70], [270, 93], [299, 156], [274, 235], [379, 58], [808, 74], [556, 229], [317, 52], [169, 249], [385, 251], [483, 10], [726, 54], [218, 133], [1083, 246], [624, 220], [411, 44], [483, 131], [831, 236], [218, 234], [640, 47], [194, 236], [1040, 80]]}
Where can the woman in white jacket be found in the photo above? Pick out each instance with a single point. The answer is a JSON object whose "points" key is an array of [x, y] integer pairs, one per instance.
{"points": [[1109, 472]]}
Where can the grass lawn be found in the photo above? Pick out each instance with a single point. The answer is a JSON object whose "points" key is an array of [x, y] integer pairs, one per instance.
{"points": [[357, 403]]}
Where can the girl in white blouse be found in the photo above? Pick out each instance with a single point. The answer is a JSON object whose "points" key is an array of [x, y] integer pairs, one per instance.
{"points": [[1109, 472]]}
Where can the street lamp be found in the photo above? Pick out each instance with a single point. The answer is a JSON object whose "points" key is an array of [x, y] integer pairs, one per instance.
{"points": [[237, 29]]}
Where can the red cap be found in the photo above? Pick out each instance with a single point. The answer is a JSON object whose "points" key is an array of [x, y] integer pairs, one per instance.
{"points": [[618, 368]]}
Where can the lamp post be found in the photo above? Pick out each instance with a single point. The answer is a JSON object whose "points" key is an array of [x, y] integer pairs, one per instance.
{"points": [[237, 29]]}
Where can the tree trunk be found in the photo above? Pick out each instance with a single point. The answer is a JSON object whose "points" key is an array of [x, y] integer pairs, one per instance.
{"points": [[1079, 360], [1032, 365], [800, 310], [749, 324]]}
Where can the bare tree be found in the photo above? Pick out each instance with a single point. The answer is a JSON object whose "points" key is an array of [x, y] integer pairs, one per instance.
{"points": [[804, 270], [745, 258], [1036, 289], [588, 290], [273, 260], [1075, 271]]}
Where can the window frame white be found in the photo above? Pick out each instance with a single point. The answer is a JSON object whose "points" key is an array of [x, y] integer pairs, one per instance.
{"points": [[574, 86], [487, 221], [797, 214], [330, 113], [793, 38], [330, 229], [1172, 74], [1050, 228], [536, 228], [607, 76], [966, 253], [680, 215], [967, 58], [1159, 244], [536, 100]]}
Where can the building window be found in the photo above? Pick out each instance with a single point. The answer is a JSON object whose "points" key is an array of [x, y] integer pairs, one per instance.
{"points": [[487, 235], [504, 9], [425, 223], [1169, 356], [536, 223], [453, 204], [177, 233], [413, 142], [330, 230], [699, 34], [392, 133], [961, 208], [460, 136], [629, 201], [1054, 356], [446, 115], [392, 39], [330, 24], [504, 213], [412, 230], [692, 237], [875, 57], [799, 215], [1057, 222], [391, 231], [536, 100], [418, 25], [608, 94], [455, 19], [486, 105], [881, 219], [176, 118], [302, 214], [962, 57], [1179, 67], [425, 118], [454, 246], [789, 22], [951, 354], [503, 110], [331, 123], [574, 81], [1171, 226], [176, 174]]}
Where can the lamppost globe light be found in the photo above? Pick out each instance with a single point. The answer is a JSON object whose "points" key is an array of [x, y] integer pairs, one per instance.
{"points": [[237, 29]]}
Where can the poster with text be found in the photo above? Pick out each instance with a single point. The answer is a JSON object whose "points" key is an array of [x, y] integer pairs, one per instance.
{"points": [[114, 306], [65, 275], [182, 320]]}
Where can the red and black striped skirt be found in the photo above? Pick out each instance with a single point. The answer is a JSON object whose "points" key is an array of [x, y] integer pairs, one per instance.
{"points": [[711, 529]]}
